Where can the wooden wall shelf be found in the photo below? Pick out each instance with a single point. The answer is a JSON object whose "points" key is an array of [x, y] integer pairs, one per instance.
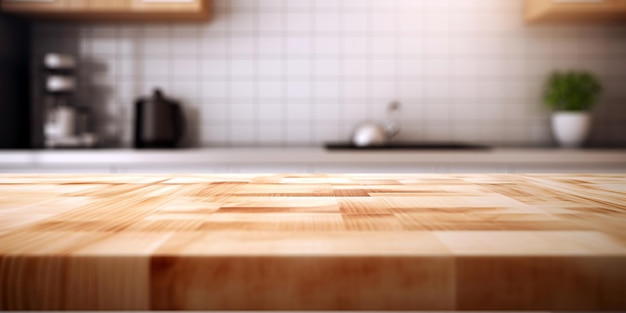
{"points": [[114, 10], [575, 10]]}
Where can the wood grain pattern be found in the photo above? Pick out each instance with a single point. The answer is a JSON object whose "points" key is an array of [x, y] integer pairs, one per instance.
{"points": [[362, 241]]}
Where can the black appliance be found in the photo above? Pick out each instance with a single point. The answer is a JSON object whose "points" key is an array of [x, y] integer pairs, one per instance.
{"points": [[15, 109], [159, 122], [66, 125]]}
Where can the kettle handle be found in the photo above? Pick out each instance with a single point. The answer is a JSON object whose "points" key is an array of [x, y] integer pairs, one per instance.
{"points": [[179, 123]]}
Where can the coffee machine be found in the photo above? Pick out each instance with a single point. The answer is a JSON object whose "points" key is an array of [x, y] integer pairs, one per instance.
{"points": [[66, 125]]}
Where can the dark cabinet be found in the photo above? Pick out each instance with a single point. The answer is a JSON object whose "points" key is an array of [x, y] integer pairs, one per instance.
{"points": [[14, 82]]}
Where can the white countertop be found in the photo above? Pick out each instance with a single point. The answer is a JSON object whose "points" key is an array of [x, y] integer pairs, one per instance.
{"points": [[295, 156]]}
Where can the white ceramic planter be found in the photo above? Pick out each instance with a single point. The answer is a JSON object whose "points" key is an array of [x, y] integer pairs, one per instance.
{"points": [[570, 129]]}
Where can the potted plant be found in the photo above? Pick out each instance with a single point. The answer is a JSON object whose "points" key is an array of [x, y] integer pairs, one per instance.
{"points": [[571, 95]]}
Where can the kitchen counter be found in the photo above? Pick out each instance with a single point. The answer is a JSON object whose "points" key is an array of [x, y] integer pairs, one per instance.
{"points": [[308, 155], [281, 160], [401, 241]]}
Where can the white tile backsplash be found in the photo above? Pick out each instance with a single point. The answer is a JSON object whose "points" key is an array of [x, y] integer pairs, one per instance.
{"points": [[242, 112], [188, 90], [214, 45], [354, 111], [270, 46], [242, 133], [298, 133], [214, 111], [155, 68], [271, 133], [326, 45], [328, 89], [326, 111], [244, 45], [243, 90], [298, 46], [215, 68], [186, 69], [214, 90], [298, 22], [186, 47], [270, 21], [354, 89], [297, 90], [327, 67], [242, 67], [383, 20], [103, 45], [327, 22], [242, 22], [270, 110], [298, 68], [301, 72], [328, 131], [356, 68], [155, 45], [296, 110], [382, 90], [270, 89], [354, 21]]}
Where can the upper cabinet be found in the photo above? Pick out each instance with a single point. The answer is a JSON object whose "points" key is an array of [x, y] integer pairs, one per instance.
{"points": [[155, 10], [575, 10]]}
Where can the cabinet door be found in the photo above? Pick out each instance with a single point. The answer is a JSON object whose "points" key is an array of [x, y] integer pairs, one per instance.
{"points": [[34, 6], [175, 6]]}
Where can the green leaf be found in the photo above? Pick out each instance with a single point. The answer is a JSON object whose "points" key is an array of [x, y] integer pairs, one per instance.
{"points": [[571, 91]]}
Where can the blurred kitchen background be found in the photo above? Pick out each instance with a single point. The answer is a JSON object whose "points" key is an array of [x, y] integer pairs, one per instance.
{"points": [[305, 72]]}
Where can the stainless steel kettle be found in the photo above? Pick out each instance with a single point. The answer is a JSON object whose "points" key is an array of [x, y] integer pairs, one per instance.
{"points": [[371, 133], [159, 122]]}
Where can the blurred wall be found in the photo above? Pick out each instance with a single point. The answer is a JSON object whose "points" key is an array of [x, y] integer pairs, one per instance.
{"points": [[301, 72]]}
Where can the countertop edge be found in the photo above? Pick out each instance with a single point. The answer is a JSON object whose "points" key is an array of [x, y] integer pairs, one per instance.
{"points": [[296, 156]]}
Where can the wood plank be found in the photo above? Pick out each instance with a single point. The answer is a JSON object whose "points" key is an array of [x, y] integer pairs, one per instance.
{"points": [[541, 283], [311, 283]]}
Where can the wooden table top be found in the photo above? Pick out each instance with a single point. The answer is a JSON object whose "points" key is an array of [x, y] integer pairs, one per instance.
{"points": [[396, 241]]}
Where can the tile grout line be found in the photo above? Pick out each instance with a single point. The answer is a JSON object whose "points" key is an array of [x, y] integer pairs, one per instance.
{"points": [[341, 71], [368, 53], [228, 58], [314, 125], [284, 77], [256, 123]]}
